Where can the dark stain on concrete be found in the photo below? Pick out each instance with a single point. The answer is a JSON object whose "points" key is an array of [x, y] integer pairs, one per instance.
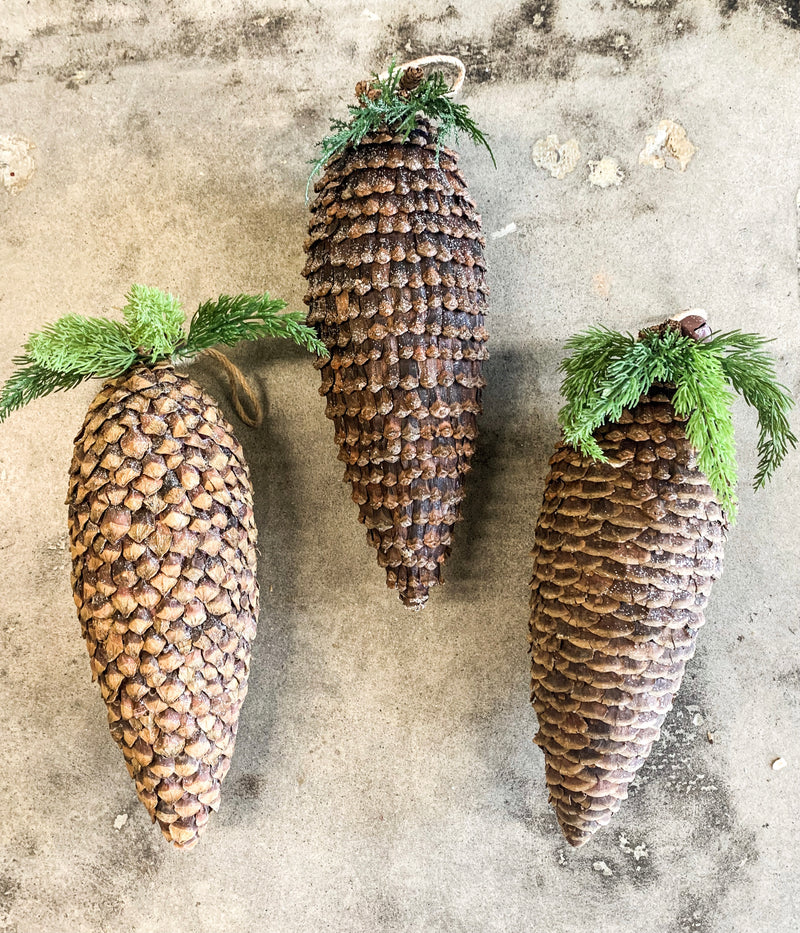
{"points": [[611, 44], [256, 36], [786, 12], [538, 14], [140, 133], [248, 786], [10, 65], [9, 891], [518, 46]]}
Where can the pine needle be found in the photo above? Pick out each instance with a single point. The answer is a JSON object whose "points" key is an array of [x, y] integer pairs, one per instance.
{"points": [[155, 321], [85, 345], [247, 317], [399, 113], [30, 381], [607, 372]]}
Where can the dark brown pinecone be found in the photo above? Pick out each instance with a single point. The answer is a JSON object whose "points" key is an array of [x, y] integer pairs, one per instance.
{"points": [[396, 290], [411, 79], [625, 556], [164, 577]]}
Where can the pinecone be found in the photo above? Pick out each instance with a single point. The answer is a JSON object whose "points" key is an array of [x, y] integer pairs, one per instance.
{"points": [[164, 577], [397, 293], [625, 555]]}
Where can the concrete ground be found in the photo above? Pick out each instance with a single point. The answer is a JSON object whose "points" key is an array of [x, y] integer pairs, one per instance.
{"points": [[385, 778]]}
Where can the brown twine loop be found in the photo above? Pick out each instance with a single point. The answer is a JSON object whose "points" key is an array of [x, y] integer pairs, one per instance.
{"points": [[419, 63], [238, 383]]}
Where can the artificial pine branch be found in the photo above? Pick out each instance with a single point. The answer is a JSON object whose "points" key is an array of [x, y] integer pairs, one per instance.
{"points": [[229, 319], [607, 372], [386, 104], [30, 381], [154, 321], [82, 345], [75, 348]]}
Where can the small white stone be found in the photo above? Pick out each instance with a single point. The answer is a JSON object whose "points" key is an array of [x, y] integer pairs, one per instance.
{"points": [[557, 159], [120, 821], [670, 141], [368, 14], [779, 764], [697, 720], [605, 172], [509, 228], [16, 162], [603, 868]]}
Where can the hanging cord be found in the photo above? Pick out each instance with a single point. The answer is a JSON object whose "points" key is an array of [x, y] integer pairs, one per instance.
{"points": [[238, 383], [436, 60]]}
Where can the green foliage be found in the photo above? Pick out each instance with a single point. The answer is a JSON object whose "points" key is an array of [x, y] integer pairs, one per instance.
{"points": [[85, 345], [155, 321], [74, 348], [751, 372], [30, 380], [248, 317], [399, 112], [606, 372]]}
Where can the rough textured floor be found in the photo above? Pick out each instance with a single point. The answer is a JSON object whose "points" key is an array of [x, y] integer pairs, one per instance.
{"points": [[385, 777]]}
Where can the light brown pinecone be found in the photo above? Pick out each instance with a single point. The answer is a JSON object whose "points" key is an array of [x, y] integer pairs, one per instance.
{"points": [[625, 556], [164, 577], [397, 292]]}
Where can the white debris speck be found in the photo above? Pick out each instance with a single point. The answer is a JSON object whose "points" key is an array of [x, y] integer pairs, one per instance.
{"points": [[509, 228], [601, 283], [16, 162], [697, 719], [368, 14], [557, 159], [779, 764], [603, 868], [605, 172], [638, 852], [670, 141], [642, 3], [120, 821]]}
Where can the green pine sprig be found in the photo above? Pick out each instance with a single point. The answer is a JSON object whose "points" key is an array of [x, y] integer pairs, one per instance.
{"points": [[606, 372], [75, 348], [248, 317], [154, 321], [399, 112]]}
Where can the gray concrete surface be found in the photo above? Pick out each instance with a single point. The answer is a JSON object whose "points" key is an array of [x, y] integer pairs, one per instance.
{"points": [[385, 778]]}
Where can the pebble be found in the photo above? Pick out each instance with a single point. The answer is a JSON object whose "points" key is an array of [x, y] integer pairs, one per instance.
{"points": [[779, 764]]}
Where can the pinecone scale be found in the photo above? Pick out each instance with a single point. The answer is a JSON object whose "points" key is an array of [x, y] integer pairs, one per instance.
{"points": [[397, 292], [626, 552], [164, 577]]}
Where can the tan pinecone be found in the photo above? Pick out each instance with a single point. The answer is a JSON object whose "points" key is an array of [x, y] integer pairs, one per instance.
{"points": [[625, 556], [397, 292], [164, 577]]}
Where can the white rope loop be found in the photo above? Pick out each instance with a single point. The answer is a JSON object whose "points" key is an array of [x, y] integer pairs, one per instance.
{"points": [[436, 60]]}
